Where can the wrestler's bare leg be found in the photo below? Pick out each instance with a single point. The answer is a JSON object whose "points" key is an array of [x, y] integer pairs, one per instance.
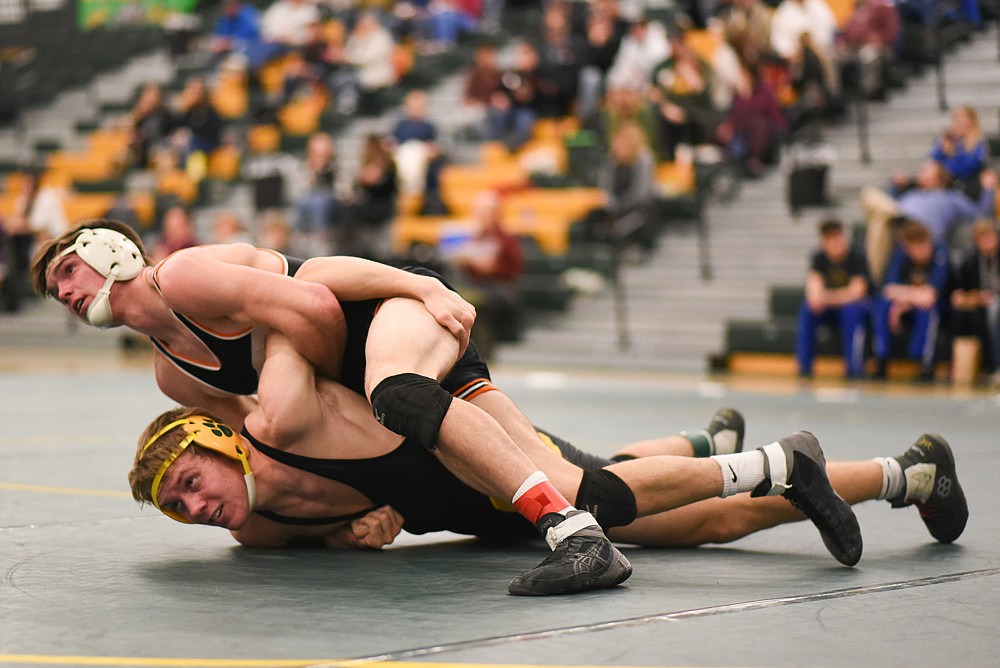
{"points": [[721, 520]]}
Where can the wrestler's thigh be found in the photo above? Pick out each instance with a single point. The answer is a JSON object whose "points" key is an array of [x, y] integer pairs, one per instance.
{"points": [[405, 338]]}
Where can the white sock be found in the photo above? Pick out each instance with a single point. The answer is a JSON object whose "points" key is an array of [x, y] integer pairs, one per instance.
{"points": [[741, 471], [893, 483]]}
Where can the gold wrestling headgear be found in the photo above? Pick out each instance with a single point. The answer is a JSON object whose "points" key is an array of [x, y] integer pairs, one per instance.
{"points": [[211, 435]]}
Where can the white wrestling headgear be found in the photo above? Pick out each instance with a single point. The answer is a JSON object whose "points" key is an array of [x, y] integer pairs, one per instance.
{"points": [[112, 255]]}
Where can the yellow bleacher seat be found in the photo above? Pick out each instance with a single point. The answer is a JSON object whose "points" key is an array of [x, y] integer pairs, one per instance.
{"points": [[461, 183], [263, 138], [144, 205], [494, 152], [675, 178], [703, 42], [301, 117], [224, 163], [272, 74], [229, 96], [176, 182], [83, 166], [842, 10], [82, 206]]}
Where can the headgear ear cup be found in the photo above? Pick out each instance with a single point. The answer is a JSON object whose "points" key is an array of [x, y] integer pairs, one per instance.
{"points": [[112, 255]]}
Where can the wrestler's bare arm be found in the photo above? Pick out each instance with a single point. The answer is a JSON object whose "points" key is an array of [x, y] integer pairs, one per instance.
{"points": [[242, 284], [372, 531], [187, 391], [356, 279]]}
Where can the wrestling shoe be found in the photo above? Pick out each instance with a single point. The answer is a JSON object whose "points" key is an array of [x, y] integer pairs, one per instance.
{"points": [[581, 560], [932, 486], [800, 476], [726, 429]]}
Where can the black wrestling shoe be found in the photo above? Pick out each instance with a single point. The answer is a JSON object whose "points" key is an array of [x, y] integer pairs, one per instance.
{"points": [[802, 479], [726, 429], [932, 486], [585, 559]]}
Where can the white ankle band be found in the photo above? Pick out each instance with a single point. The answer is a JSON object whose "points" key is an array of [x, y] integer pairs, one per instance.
{"points": [[777, 466], [568, 527]]}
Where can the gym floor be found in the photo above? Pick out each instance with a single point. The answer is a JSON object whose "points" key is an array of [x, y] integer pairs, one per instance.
{"points": [[89, 578]]}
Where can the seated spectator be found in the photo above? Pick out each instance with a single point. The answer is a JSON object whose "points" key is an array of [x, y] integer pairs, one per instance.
{"points": [[178, 232], [682, 89], [602, 37], [836, 296], [414, 142], [198, 128], [756, 124], [448, 20], [489, 268], [323, 69], [364, 229], [227, 228], [369, 50], [314, 197], [962, 151], [626, 105], [793, 18], [867, 43], [928, 200], [285, 23], [629, 187], [516, 106], [976, 297], [482, 80], [911, 301], [237, 32], [746, 25], [815, 82], [558, 65], [642, 49], [150, 122]]}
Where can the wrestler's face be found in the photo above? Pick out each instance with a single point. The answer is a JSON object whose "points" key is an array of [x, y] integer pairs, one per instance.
{"points": [[205, 489], [74, 283]]}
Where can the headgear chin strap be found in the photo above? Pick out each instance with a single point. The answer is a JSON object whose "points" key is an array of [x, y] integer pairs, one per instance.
{"points": [[112, 255], [211, 435]]}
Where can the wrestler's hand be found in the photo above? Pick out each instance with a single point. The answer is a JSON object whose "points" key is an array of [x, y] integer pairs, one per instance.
{"points": [[451, 311], [373, 531]]}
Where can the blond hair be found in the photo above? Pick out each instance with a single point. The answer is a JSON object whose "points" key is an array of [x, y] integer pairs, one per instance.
{"points": [[51, 249], [149, 457]]}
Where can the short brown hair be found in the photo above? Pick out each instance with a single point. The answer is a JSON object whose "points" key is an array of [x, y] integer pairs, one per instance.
{"points": [[913, 232], [50, 249], [149, 460], [830, 226]]}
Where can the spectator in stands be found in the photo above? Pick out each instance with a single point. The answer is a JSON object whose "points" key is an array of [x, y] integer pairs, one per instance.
{"points": [[961, 149], [481, 81], [559, 65], [627, 179], [285, 24], [602, 38], [928, 200], [369, 50], [815, 81], [150, 122], [323, 68], [682, 90], [641, 50], [911, 301], [837, 296], [177, 232], [793, 18], [489, 266], [626, 104], [756, 124], [198, 128], [516, 106], [414, 142], [746, 24], [450, 19], [976, 296], [227, 228], [237, 32], [867, 43], [371, 205], [275, 233], [314, 197]]}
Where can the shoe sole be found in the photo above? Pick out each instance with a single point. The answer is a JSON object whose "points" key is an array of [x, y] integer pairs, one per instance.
{"points": [[619, 571], [959, 501], [838, 526]]}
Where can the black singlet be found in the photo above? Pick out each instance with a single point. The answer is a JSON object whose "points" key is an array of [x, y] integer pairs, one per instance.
{"points": [[416, 484]]}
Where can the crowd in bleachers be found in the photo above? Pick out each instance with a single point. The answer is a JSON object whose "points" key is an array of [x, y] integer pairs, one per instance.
{"points": [[613, 101]]}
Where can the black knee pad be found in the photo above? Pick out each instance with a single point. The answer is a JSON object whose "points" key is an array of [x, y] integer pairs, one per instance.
{"points": [[411, 405], [606, 496]]}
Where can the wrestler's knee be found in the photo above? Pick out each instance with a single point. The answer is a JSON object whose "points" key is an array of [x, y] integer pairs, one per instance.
{"points": [[606, 496], [411, 405]]}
